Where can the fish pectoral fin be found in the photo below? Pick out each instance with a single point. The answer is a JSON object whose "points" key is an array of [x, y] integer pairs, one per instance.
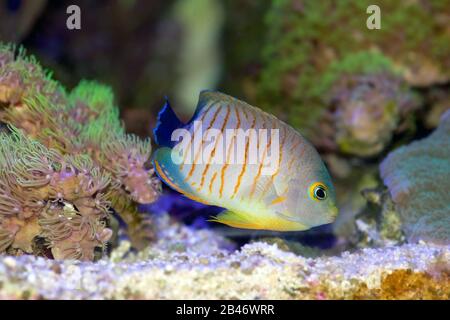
{"points": [[235, 219], [268, 193], [264, 189]]}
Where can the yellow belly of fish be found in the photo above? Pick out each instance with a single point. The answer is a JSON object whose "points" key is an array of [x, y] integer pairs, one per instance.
{"points": [[247, 215]]}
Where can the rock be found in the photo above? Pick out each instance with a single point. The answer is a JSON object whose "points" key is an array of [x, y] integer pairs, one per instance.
{"points": [[418, 178], [256, 271]]}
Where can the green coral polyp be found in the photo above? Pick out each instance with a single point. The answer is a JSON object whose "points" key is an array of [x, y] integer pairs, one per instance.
{"points": [[36, 181], [73, 134], [96, 96]]}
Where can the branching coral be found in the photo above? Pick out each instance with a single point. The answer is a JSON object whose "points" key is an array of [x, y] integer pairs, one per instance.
{"points": [[83, 129], [418, 179]]}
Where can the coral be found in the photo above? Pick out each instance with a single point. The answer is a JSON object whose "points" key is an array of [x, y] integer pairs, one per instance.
{"points": [[439, 102], [377, 224], [188, 264], [313, 59], [85, 123], [355, 93], [368, 111], [418, 176], [47, 195], [353, 206], [407, 285]]}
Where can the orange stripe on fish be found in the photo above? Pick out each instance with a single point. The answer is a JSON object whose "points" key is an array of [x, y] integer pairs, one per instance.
{"points": [[212, 182], [278, 200], [255, 180], [195, 132], [224, 168], [271, 181], [163, 175], [291, 161], [238, 183], [272, 206], [283, 141], [213, 153], [195, 198], [175, 187], [245, 114], [197, 154]]}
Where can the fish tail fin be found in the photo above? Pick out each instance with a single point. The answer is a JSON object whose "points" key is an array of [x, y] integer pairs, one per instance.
{"points": [[167, 122]]}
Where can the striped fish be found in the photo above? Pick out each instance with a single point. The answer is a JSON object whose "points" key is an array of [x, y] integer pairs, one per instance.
{"points": [[235, 156]]}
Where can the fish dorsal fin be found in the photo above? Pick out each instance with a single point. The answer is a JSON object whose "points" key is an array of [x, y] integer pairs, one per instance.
{"points": [[204, 100], [208, 97], [167, 122]]}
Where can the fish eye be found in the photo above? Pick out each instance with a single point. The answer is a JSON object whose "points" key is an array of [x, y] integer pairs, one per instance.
{"points": [[318, 191]]}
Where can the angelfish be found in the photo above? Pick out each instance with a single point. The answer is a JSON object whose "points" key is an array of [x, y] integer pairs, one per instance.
{"points": [[263, 180]]}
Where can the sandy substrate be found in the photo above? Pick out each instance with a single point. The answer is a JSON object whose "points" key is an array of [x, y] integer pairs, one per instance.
{"points": [[187, 264]]}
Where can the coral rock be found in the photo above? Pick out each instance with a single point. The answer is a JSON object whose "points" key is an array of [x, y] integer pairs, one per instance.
{"points": [[205, 270], [418, 179]]}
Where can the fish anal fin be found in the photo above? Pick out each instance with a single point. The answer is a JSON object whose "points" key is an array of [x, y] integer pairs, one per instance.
{"points": [[234, 219]]}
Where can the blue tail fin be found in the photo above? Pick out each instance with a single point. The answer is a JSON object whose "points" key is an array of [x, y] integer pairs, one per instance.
{"points": [[166, 124]]}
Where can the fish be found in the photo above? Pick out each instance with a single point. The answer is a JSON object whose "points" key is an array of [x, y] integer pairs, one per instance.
{"points": [[261, 171]]}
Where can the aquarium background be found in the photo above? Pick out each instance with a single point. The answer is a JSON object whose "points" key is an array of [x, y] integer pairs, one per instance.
{"points": [[372, 101]]}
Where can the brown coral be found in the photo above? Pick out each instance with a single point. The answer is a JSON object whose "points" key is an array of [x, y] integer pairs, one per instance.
{"points": [[45, 194], [82, 125], [369, 110]]}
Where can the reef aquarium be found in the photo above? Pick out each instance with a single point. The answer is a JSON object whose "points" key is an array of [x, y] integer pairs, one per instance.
{"points": [[225, 150]]}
